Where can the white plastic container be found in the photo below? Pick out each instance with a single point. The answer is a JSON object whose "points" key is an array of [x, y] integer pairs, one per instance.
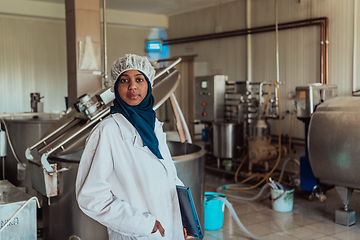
{"points": [[282, 200]]}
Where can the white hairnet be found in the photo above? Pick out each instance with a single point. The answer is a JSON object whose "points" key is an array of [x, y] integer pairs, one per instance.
{"points": [[132, 62]]}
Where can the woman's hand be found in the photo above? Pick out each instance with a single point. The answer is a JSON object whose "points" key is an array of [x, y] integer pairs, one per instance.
{"points": [[187, 236], [158, 226]]}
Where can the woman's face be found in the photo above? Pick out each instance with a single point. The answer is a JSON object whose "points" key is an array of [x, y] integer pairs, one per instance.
{"points": [[132, 87]]}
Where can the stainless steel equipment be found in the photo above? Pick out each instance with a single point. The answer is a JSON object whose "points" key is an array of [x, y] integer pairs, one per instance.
{"points": [[24, 131], [235, 98], [70, 132], [23, 226], [210, 98], [259, 128], [307, 99], [310, 96], [36, 105], [228, 139], [333, 142], [261, 151], [189, 163], [2, 153]]}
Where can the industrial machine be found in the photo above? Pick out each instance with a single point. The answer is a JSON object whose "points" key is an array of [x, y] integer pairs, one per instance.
{"points": [[332, 151], [308, 98], [210, 92], [235, 120]]}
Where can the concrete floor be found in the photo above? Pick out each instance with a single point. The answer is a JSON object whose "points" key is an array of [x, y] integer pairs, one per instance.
{"points": [[308, 220]]}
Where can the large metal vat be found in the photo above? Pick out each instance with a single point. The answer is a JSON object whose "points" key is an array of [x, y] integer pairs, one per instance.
{"points": [[190, 165], [228, 139], [24, 131], [333, 142], [63, 218]]}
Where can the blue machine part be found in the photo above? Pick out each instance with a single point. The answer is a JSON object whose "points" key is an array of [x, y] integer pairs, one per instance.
{"points": [[307, 178], [205, 135]]}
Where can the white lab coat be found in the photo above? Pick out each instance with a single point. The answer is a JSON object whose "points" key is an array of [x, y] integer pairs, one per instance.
{"points": [[124, 186]]}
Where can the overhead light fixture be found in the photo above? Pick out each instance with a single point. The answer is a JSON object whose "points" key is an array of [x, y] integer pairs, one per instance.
{"points": [[154, 45]]}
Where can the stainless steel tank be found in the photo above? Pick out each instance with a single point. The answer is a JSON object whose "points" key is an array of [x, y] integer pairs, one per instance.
{"points": [[259, 128], [333, 142], [63, 218], [23, 132], [227, 139], [190, 167]]}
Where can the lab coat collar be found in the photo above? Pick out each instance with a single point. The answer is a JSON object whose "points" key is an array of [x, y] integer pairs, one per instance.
{"points": [[127, 130]]}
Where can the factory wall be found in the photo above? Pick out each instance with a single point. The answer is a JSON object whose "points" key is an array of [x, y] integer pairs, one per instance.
{"points": [[33, 58], [299, 48]]}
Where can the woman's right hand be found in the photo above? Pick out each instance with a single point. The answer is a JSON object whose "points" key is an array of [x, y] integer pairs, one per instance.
{"points": [[158, 226]]}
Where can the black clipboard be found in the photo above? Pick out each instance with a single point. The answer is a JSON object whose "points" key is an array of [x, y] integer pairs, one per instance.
{"points": [[189, 215]]}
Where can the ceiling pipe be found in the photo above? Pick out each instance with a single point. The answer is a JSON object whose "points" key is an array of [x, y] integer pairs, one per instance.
{"points": [[323, 22], [104, 74]]}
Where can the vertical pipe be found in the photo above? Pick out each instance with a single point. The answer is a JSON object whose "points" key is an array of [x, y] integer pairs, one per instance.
{"points": [[355, 46], [277, 42], [326, 50], [277, 56], [105, 75], [321, 53], [3, 167], [249, 55]]}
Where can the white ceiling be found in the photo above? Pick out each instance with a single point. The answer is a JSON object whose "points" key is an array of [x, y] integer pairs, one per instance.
{"points": [[166, 7]]}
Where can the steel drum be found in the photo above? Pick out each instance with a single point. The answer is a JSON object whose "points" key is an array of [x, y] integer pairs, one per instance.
{"points": [[333, 142]]}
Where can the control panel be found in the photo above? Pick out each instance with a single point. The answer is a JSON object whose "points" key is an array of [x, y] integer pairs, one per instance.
{"points": [[210, 98], [308, 97]]}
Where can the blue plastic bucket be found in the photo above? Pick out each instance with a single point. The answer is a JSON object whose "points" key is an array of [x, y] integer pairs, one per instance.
{"points": [[214, 211]]}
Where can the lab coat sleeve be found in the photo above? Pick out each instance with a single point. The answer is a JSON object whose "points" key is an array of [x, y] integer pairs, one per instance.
{"points": [[178, 181], [94, 193]]}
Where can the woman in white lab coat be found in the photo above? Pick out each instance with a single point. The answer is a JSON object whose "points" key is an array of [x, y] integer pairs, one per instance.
{"points": [[126, 178]]}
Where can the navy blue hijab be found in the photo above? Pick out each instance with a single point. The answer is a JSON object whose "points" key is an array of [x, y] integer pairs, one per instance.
{"points": [[141, 116]]}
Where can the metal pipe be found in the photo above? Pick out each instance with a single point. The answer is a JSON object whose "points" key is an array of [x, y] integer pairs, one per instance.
{"points": [[321, 52], [105, 75], [29, 114], [248, 41], [281, 26], [277, 42], [326, 51], [241, 32], [168, 68], [28, 150], [3, 167], [354, 47], [44, 161]]}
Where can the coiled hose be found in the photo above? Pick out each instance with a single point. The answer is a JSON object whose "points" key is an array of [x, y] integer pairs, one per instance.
{"points": [[235, 186]]}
